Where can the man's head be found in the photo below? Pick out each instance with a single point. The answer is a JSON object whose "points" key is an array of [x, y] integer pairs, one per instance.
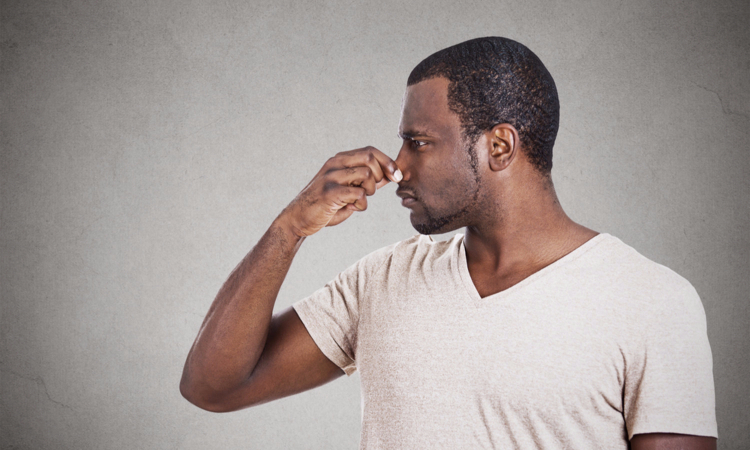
{"points": [[494, 80], [440, 171], [469, 110]]}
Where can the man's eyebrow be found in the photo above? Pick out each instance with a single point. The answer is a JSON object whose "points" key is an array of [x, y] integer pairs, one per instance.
{"points": [[410, 134]]}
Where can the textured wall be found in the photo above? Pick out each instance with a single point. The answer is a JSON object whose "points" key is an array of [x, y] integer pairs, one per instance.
{"points": [[146, 145]]}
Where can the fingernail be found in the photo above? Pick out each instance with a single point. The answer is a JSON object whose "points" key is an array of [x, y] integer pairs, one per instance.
{"points": [[398, 176]]}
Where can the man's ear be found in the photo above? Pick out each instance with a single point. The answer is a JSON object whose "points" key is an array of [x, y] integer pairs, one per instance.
{"points": [[504, 144]]}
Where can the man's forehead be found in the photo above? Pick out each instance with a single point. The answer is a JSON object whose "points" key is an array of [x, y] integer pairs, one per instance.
{"points": [[425, 108], [429, 92]]}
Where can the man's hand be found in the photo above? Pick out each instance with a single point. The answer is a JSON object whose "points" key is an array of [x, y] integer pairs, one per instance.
{"points": [[340, 188], [244, 355]]}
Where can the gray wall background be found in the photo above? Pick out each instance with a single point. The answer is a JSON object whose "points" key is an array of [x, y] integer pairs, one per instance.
{"points": [[147, 145]]}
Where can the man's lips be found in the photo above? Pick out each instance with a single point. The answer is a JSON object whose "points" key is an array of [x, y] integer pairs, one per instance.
{"points": [[407, 198]]}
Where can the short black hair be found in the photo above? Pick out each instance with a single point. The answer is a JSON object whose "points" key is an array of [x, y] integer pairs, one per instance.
{"points": [[494, 80]]}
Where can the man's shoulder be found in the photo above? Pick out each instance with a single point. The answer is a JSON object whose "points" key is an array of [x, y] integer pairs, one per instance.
{"points": [[630, 272], [419, 248], [417, 245], [621, 257]]}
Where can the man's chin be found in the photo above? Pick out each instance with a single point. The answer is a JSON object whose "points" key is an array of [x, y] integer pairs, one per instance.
{"points": [[432, 226]]}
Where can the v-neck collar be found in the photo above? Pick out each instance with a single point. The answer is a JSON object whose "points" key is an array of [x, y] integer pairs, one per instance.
{"points": [[460, 262]]}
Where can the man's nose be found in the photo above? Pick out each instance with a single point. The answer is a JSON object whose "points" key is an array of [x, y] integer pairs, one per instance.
{"points": [[402, 161]]}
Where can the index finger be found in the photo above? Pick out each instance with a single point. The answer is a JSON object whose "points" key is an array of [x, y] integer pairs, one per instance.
{"points": [[390, 169], [379, 163]]}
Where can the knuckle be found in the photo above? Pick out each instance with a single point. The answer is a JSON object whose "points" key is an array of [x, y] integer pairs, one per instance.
{"points": [[331, 162]]}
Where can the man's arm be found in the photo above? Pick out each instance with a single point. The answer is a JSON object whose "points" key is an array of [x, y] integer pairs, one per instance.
{"points": [[668, 441], [243, 356]]}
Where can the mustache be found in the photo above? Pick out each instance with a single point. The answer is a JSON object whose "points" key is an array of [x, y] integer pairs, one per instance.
{"points": [[405, 192]]}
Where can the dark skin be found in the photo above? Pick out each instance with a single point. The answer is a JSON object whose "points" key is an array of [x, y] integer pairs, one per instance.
{"points": [[514, 223], [514, 226]]}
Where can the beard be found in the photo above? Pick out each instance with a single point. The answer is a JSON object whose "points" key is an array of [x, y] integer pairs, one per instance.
{"points": [[440, 224], [449, 221]]}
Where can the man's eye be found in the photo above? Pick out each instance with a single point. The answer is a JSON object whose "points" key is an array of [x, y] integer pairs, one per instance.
{"points": [[418, 143]]}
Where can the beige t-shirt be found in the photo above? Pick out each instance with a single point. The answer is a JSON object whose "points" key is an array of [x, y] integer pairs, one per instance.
{"points": [[596, 347]]}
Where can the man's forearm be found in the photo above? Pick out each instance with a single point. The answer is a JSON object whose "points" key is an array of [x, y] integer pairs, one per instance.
{"points": [[233, 334], [227, 368]]}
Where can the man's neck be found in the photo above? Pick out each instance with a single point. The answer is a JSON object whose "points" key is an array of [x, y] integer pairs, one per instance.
{"points": [[519, 240]]}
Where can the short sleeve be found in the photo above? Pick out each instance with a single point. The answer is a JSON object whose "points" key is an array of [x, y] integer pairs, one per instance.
{"points": [[669, 385], [331, 314]]}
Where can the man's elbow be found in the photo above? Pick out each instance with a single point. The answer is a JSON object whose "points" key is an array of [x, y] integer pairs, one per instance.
{"points": [[202, 399]]}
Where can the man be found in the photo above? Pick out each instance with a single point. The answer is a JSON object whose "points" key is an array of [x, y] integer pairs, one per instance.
{"points": [[528, 331]]}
